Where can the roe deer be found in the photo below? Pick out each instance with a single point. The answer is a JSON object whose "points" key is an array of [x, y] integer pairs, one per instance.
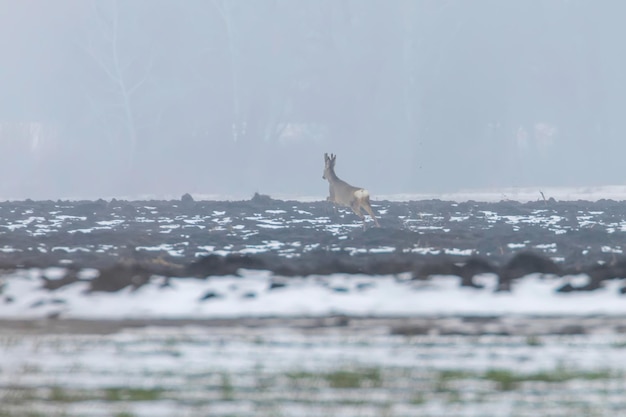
{"points": [[344, 194]]}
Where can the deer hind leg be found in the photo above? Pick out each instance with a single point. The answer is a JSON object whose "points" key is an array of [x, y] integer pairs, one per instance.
{"points": [[356, 208], [366, 205]]}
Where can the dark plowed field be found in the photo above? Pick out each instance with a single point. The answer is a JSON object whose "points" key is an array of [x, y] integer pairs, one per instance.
{"points": [[130, 239]]}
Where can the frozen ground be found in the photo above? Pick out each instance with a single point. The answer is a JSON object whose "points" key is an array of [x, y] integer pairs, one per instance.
{"points": [[252, 295], [265, 257], [275, 308], [522, 194], [359, 369]]}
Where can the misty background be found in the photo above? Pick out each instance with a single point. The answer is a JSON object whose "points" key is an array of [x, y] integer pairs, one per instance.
{"points": [[103, 97]]}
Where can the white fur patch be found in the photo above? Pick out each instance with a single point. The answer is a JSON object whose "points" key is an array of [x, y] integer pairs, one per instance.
{"points": [[362, 193]]}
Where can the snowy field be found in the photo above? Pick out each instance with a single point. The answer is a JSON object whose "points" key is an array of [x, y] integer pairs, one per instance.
{"points": [[358, 346], [354, 370], [252, 295], [184, 341], [522, 194]]}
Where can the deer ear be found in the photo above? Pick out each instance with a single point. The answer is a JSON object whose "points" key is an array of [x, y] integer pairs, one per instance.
{"points": [[325, 157]]}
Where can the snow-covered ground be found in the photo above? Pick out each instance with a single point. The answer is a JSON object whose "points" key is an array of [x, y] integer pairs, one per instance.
{"points": [[522, 194], [316, 372], [381, 361], [249, 295]]}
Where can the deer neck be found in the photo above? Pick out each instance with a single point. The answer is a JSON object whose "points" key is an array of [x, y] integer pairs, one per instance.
{"points": [[332, 177]]}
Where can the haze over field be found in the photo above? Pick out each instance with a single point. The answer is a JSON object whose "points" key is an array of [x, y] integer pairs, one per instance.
{"points": [[227, 97]]}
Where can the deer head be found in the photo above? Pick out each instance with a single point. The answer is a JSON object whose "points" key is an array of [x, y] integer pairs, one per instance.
{"points": [[329, 166]]}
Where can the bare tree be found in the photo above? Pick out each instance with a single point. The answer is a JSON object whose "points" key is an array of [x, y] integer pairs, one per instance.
{"points": [[226, 12], [124, 59]]}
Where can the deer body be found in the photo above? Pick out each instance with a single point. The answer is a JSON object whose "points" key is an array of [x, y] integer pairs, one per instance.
{"points": [[344, 194]]}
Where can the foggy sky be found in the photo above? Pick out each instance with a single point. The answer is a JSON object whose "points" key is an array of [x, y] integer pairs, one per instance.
{"points": [[102, 97]]}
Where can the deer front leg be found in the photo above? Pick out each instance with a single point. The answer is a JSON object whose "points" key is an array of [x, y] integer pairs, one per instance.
{"points": [[333, 206], [331, 196]]}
